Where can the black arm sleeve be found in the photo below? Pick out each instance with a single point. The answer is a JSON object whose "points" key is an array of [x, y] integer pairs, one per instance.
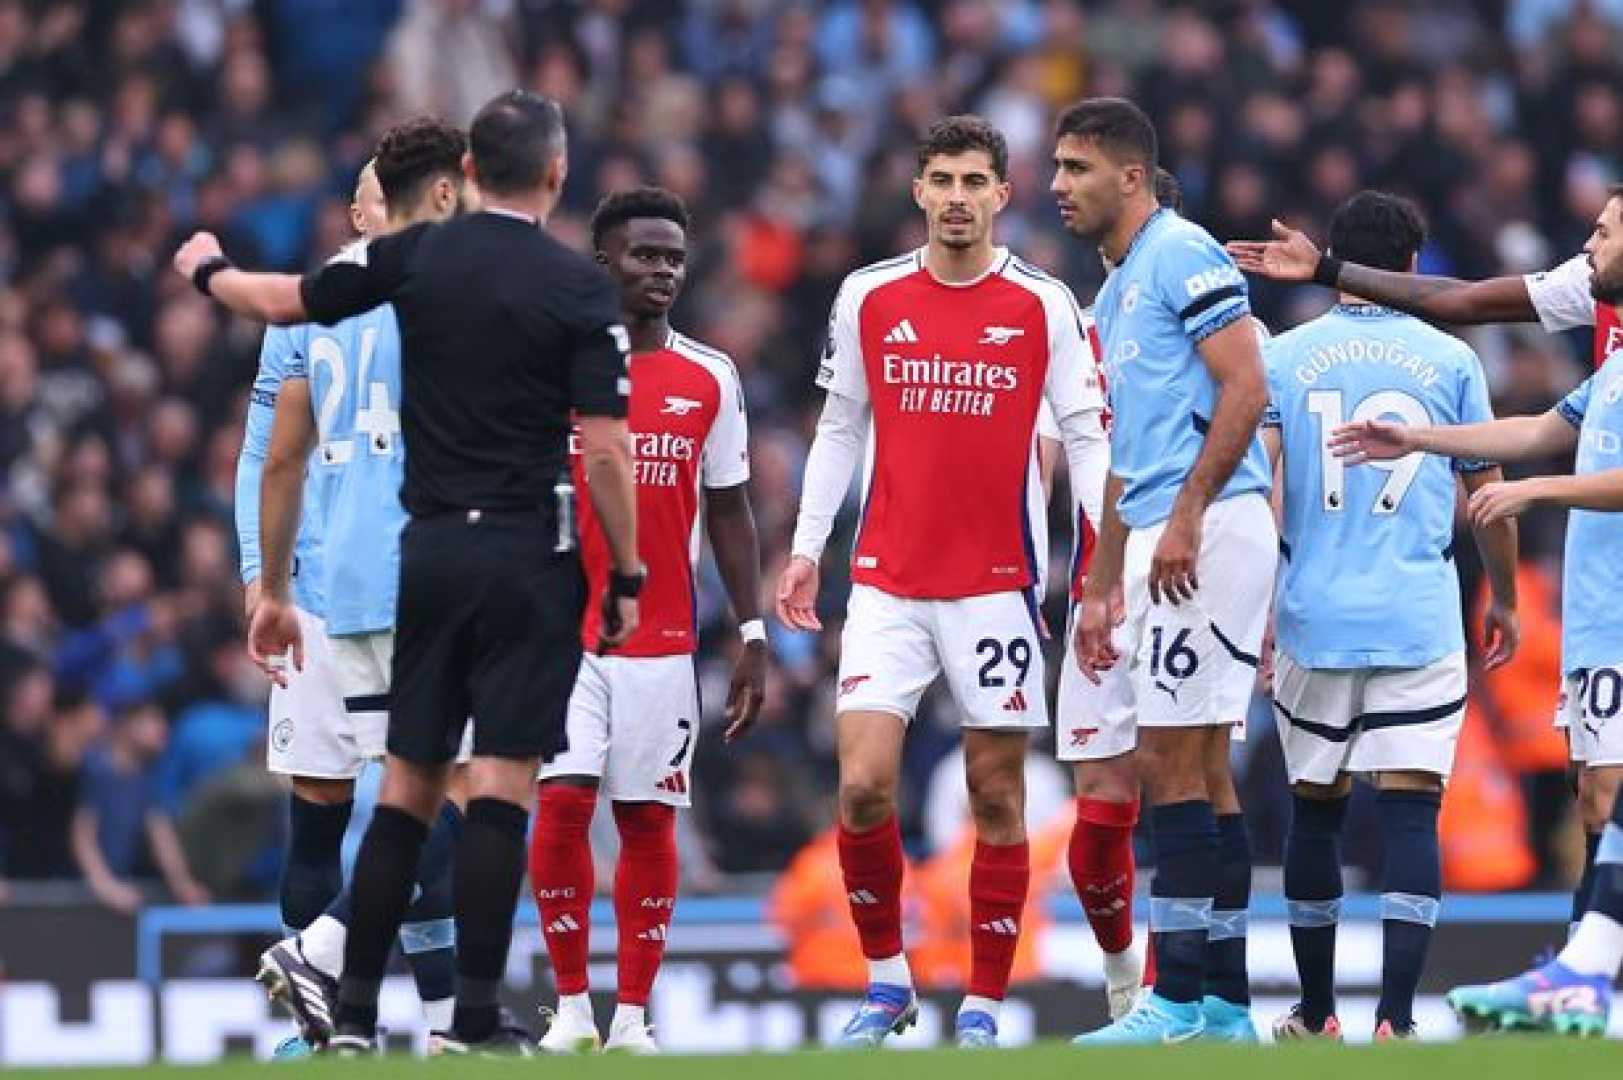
{"points": [[346, 287], [598, 382]]}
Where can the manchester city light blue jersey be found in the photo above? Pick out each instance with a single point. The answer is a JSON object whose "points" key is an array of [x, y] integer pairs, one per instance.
{"points": [[278, 353], [1367, 578], [1592, 570], [1174, 288], [354, 373]]}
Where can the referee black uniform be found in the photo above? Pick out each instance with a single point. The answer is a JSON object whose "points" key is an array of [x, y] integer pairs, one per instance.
{"points": [[504, 332]]}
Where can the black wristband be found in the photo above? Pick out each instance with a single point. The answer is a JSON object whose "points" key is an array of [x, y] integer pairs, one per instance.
{"points": [[206, 271], [1328, 271], [628, 586]]}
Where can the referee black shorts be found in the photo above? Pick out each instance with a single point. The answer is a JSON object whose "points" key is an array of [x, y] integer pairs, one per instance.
{"points": [[488, 626]]}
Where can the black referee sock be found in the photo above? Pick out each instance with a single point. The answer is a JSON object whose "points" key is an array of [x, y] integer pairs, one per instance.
{"points": [[485, 884], [380, 889]]}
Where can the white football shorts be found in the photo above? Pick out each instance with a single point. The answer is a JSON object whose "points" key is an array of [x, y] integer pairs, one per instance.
{"points": [[1590, 701], [1094, 722], [1368, 720], [1195, 664], [633, 723], [310, 733], [989, 648], [363, 664]]}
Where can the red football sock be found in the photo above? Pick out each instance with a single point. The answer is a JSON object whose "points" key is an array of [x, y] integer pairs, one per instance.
{"points": [[561, 875], [644, 893], [998, 879], [871, 862], [1101, 859]]}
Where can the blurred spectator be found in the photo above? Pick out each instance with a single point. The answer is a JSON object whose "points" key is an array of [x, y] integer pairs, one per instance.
{"points": [[120, 832]]}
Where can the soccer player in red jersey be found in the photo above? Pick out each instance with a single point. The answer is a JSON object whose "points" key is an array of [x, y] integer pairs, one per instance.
{"points": [[634, 716], [944, 355], [1559, 299]]}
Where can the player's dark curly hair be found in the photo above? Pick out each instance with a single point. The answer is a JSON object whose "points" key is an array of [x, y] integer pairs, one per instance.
{"points": [[960, 134], [1119, 127], [1168, 192], [414, 153], [1377, 229], [619, 207]]}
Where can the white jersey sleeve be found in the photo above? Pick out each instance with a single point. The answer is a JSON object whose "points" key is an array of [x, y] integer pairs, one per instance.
{"points": [[1087, 457], [842, 432], [1073, 384], [1047, 426], [1561, 296], [841, 371], [726, 457]]}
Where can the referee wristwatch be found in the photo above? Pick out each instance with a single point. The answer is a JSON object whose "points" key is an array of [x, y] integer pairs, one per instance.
{"points": [[627, 586]]}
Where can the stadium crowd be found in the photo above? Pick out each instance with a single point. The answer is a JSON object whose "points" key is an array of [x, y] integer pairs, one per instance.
{"points": [[131, 741]]}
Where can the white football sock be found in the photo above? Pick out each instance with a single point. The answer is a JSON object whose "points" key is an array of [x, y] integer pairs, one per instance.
{"points": [[628, 1016], [322, 943], [973, 1003], [1596, 948], [892, 970], [576, 1007], [440, 1014]]}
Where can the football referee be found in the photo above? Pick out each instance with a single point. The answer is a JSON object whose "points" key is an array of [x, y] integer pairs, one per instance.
{"points": [[505, 334]]}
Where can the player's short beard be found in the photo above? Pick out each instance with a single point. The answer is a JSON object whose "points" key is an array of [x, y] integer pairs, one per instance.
{"points": [[1606, 284]]}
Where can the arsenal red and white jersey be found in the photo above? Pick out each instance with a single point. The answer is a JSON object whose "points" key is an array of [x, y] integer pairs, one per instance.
{"points": [[688, 430], [954, 374], [1563, 301]]}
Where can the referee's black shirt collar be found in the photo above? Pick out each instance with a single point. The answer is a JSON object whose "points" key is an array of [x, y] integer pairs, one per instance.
{"points": [[516, 215]]}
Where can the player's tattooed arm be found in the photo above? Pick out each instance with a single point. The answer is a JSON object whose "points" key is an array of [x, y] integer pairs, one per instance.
{"points": [[1497, 540], [731, 525], [1291, 256]]}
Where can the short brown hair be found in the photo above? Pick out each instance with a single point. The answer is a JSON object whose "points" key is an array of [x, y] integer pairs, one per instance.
{"points": [[960, 134]]}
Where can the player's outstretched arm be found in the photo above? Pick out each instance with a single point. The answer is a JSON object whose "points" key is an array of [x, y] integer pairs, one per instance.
{"points": [[605, 449], [1291, 256], [731, 524], [1496, 539], [1601, 491], [271, 298], [1515, 438], [835, 449]]}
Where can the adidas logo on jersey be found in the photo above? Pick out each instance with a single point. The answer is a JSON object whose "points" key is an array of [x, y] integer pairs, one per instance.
{"points": [[679, 406], [851, 682], [653, 933], [861, 897], [563, 924], [1005, 926], [675, 783], [902, 334], [1000, 335], [1016, 702], [1080, 737]]}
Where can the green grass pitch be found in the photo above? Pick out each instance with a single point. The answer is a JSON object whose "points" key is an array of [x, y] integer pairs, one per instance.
{"points": [[1477, 1059]]}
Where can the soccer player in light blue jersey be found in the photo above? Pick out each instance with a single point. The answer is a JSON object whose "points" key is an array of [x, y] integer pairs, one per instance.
{"points": [[1573, 992], [1370, 669], [1187, 549], [339, 410]]}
